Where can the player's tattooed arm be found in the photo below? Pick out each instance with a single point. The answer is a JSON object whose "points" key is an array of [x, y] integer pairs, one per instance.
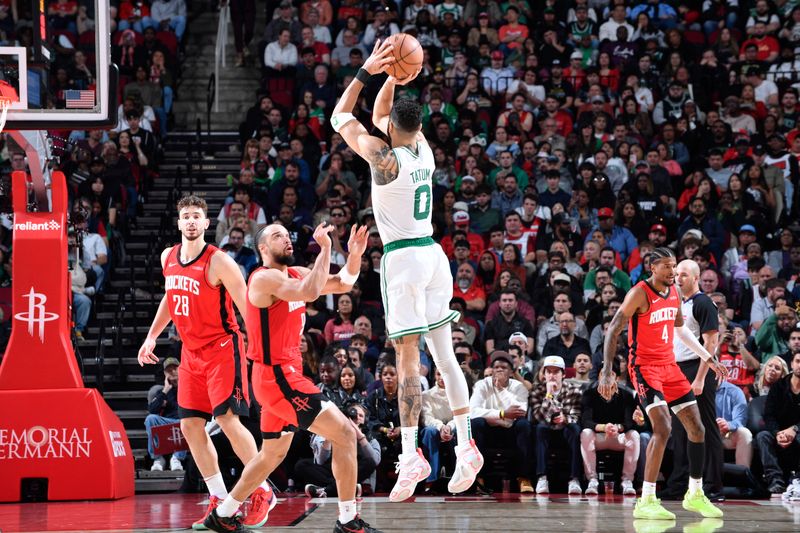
{"points": [[383, 163]]}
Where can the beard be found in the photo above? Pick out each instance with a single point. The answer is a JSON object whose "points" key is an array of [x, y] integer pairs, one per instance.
{"points": [[284, 260], [193, 237]]}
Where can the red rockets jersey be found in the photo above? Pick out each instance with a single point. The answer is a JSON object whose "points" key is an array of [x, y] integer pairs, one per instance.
{"points": [[201, 312], [273, 333], [650, 333]]}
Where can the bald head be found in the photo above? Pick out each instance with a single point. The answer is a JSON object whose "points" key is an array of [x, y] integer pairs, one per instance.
{"points": [[688, 277]]}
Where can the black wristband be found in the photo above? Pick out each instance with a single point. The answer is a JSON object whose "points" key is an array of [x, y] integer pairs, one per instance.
{"points": [[363, 76]]}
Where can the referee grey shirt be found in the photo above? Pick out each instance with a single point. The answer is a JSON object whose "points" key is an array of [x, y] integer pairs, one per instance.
{"points": [[700, 316]]}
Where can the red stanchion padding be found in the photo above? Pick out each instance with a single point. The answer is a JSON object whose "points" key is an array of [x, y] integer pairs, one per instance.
{"points": [[71, 438], [52, 427]]}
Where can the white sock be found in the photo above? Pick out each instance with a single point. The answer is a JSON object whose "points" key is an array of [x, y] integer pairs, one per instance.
{"points": [[409, 440], [695, 484], [216, 486], [463, 429], [228, 507], [347, 511], [648, 489], [264, 485]]}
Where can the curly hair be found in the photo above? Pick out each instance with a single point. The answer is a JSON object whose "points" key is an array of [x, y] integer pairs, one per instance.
{"points": [[406, 115]]}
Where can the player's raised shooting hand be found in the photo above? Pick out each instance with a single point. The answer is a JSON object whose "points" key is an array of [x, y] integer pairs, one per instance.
{"points": [[380, 58], [407, 79], [357, 244], [322, 235]]}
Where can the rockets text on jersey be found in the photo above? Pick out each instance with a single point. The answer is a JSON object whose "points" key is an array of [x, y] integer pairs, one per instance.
{"points": [[274, 332], [650, 334], [201, 312]]}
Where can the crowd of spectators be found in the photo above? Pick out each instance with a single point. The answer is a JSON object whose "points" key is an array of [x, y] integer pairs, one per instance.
{"points": [[107, 171], [570, 140]]}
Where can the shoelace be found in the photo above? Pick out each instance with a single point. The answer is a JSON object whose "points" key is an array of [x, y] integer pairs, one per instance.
{"points": [[257, 500]]}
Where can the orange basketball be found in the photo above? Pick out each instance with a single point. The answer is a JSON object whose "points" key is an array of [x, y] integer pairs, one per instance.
{"points": [[407, 55]]}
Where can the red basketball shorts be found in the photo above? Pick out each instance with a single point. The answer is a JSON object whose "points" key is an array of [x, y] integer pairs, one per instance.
{"points": [[213, 379], [289, 400], [661, 384]]}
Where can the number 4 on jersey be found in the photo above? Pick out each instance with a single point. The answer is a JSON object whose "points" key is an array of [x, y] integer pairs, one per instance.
{"points": [[665, 334]]}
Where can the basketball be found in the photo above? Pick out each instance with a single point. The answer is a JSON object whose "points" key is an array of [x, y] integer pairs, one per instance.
{"points": [[407, 55]]}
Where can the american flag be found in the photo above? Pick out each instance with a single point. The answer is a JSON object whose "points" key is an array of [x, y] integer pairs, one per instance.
{"points": [[79, 99]]}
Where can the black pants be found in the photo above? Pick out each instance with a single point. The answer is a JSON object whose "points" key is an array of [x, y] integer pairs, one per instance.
{"points": [[707, 405], [772, 455], [243, 17], [518, 437], [322, 475]]}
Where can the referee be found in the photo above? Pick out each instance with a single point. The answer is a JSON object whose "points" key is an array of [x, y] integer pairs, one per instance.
{"points": [[699, 315]]}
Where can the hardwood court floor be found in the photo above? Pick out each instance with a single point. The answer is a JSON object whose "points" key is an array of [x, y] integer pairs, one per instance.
{"points": [[500, 513]]}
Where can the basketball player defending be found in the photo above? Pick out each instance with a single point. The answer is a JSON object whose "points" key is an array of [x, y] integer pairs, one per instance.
{"points": [[653, 310], [276, 312], [212, 377], [417, 285]]}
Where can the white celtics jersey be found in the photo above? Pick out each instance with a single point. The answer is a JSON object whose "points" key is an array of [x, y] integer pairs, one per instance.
{"points": [[403, 207]]}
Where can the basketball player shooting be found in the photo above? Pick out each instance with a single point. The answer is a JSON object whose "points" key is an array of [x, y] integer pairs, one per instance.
{"points": [[417, 285], [653, 312], [200, 281]]}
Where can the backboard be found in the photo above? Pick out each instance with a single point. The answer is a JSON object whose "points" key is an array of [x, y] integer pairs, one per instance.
{"points": [[56, 54]]}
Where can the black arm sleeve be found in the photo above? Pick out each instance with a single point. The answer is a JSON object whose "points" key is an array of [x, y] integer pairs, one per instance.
{"points": [[706, 314]]}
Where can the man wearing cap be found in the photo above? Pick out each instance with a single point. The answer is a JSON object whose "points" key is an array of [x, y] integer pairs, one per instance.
{"points": [[518, 121], [734, 258], [512, 34], [461, 221], [479, 9], [709, 226], [461, 253], [509, 197], [285, 20], [562, 231], [618, 237], [499, 408], [557, 85], [163, 408], [657, 237], [482, 216], [772, 337], [671, 106], [496, 77], [556, 407], [583, 25], [381, 27], [507, 322]]}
